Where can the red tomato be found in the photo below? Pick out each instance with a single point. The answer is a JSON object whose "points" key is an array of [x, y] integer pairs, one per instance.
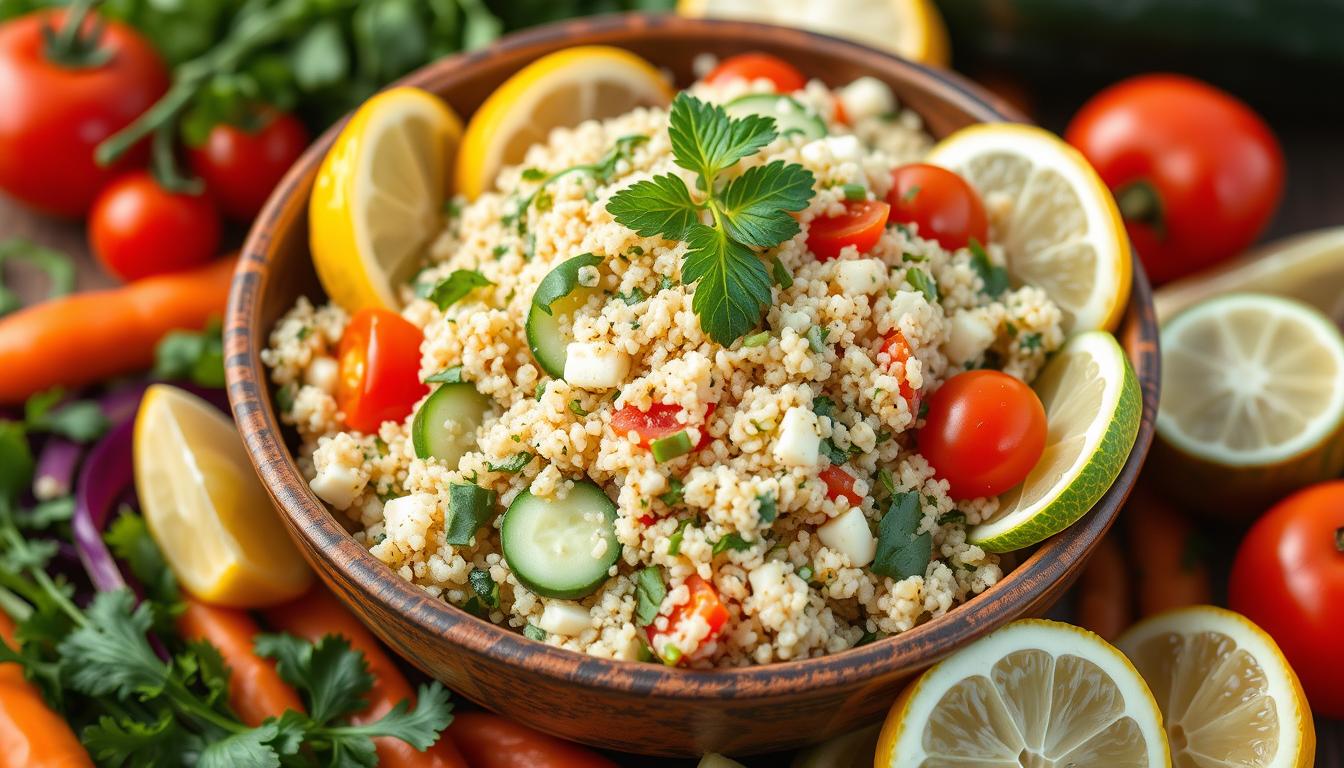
{"points": [[1197, 174], [55, 113], [939, 203], [897, 350], [758, 66], [1288, 577], [379, 360], [860, 225], [984, 432], [240, 167], [139, 229], [704, 604], [839, 485], [657, 422]]}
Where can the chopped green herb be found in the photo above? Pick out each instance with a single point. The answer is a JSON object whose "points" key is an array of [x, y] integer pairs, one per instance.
{"points": [[533, 632], [576, 408], [674, 541], [514, 464], [955, 516], [867, 638], [80, 420], [886, 482], [902, 552], [816, 338], [468, 507], [854, 192], [805, 573], [672, 496], [733, 541], [446, 376], [499, 250], [195, 356], [832, 452], [665, 283], [994, 277], [649, 593], [541, 389], [1031, 341], [779, 275], [484, 587], [923, 282], [284, 397], [668, 448], [767, 510], [456, 286], [823, 406], [757, 339], [534, 174]]}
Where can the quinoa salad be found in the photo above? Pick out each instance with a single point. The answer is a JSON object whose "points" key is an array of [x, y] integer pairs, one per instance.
{"points": [[601, 460]]}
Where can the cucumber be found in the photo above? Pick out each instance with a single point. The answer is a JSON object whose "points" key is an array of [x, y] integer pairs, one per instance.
{"points": [[548, 543], [434, 436], [789, 115], [558, 296]]}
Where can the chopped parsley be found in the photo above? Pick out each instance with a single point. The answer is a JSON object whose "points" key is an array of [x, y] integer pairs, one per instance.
{"points": [[1030, 341], [485, 587], [955, 516], [649, 593], [733, 541], [672, 496], [514, 463], [902, 551], [446, 376], [766, 508], [823, 406], [816, 338], [456, 286], [533, 632], [576, 408], [468, 507], [923, 282], [994, 277]]}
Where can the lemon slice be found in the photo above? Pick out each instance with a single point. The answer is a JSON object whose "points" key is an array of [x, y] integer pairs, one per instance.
{"points": [[205, 507], [1309, 267], [1227, 694], [1092, 412], [1252, 401], [1035, 693], [378, 198], [910, 28], [565, 88], [1056, 220]]}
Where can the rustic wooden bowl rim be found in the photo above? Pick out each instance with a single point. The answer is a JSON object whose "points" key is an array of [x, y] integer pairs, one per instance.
{"points": [[915, 648]]}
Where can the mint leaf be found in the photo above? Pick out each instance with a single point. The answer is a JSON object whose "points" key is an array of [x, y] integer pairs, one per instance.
{"points": [[734, 287], [561, 281], [901, 552], [661, 206], [706, 141], [456, 286], [649, 593], [752, 204]]}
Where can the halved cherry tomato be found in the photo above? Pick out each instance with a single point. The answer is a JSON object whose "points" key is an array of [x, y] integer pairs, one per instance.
{"points": [[984, 432], [379, 359], [941, 204], [860, 225], [704, 604], [240, 167], [839, 484], [759, 66], [656, 423], [897, 350]]}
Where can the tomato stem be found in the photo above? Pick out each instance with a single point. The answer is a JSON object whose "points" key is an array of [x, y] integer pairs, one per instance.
{"points": [[163, 164], [1140, 203], [71, 46]]}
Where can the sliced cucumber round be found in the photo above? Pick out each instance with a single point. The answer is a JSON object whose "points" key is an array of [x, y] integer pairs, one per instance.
{"points": [[790, 116], [550, 543], [545, 338], [445, 426]]}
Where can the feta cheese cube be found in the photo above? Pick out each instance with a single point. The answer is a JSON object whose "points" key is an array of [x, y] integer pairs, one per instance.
{"points": [[799, 440], [595, 365], [849, 535], [564, 618], [969, 335], [407, 518], [861, 276], [337, 485], [322, 373], [766, 578], [907, 302], [867, 97]]}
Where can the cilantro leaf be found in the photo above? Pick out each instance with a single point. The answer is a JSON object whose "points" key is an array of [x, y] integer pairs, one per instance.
{"points": [[456, 286], [194, 356], [734, 287], [113, 741], [752, 203], [901, 551], [512, 465], [248, 748], [649, 593], [129, 539], [109, 654], [823, 406], [672, 496], [333, 677], [78, 420], [420, 727], [658, 206], [561, 281]]}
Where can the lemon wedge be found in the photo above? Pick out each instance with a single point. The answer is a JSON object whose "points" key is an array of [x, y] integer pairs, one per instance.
{"points": [[565, 88], [1227, 694], [1252, 401], [1092, 411], [1056, 220], [910, 28], [378, 198], [1035, 693], [206, 508]]}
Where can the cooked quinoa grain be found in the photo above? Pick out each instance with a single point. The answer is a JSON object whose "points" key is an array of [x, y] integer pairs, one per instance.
{"points": [[741, 507]]}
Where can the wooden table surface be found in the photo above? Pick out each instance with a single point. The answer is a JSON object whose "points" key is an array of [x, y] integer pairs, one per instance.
{"points": [[1314, 199]]}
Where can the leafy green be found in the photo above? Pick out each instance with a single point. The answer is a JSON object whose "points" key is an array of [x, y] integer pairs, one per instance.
{"points": [[731, 540], [766, 508], [129, 539], [192, 356], [923, 282], [456, 286], [902, 552], [561, 281], [602, 171], [512, 465], [823, 406], [451, 375], [468, 506], [674, 541], [751, 203], [672, 496], [649, 593], [16, 460], [486, 588], [533, 632], [332, 678], [734, 288], [992, 276], [706, 141], [658, 206], [59, 270]]}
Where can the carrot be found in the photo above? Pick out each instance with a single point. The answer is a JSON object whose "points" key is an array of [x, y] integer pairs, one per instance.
{"points": [[256, 691], [88, 337], [1163, 547], [491, 741], [319, 613], [1103, 591], [31, 734]]}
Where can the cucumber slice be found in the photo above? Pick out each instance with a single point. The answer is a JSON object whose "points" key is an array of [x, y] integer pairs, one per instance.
{"points": [[790, 116], [549, 543], [445, 426], [558, 296]]}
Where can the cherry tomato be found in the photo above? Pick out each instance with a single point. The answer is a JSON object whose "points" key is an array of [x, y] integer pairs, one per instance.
{"points": [[656, 423], [941, 205], [379, 380], [897, 350], [839, 485], [53, 111], [984, 432], [1197, 174], [861, 226], [240, 167], [1288, 577], [704, 604], [139, 229], [759, 66]]}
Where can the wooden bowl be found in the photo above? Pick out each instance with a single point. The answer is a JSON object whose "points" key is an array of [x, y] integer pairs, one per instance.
{"points": [[644, 708]]}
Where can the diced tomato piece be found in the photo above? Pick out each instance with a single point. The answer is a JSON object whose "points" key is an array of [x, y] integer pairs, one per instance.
{"points": [[839, 485], [657, 422], [860, 225], [758, 66], [379, 380], [897, 350], [840, 115], [646, 520], [703, 604]]}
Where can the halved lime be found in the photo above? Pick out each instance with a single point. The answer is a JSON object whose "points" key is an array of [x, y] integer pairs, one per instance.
{"points": [[1092, 409], [1252, 403]]}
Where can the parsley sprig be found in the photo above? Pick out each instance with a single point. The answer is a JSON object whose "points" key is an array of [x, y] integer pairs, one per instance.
{"points": [[748, 212]]}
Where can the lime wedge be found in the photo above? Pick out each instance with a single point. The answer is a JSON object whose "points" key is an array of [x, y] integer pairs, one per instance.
{"points": [[1092, 409]]}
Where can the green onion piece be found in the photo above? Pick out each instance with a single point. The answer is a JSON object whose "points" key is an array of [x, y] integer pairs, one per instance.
{"points": [[757, 339], [854, 192], [668, 448]]}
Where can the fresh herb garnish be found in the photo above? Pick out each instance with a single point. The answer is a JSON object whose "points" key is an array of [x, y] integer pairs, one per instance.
{"points": [[633, 297], [649, 593], [816, 338], [456, 286], [955, 516], [779, 274], [512, 465], [561, 281], [994, 277], [533, 632], [195, 356], [766, 508], [823, 406], [451, 375], [602, 172], [672, 496], [468, 507], [1030, 341], [750, 211], [576, 408], [923, 282], [731, 540], [902, 552], [485, 587], [78, 420]]}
